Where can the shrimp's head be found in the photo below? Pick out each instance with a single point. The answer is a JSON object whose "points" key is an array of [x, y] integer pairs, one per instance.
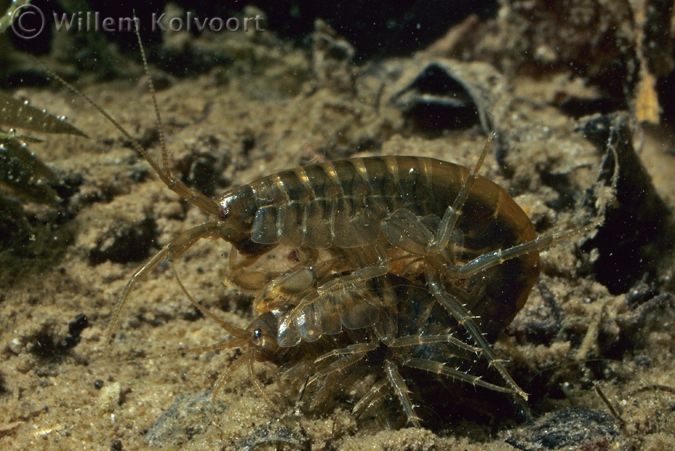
{"points": [[262, 334], [238, 209]]}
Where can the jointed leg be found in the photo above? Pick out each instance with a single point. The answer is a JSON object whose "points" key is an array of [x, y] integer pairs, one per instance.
{"points": [[417, 340], [338, 366], [357, 352], [357, 348], [452, 213], [435, 367], [254, 379], [174, 249], [233, 368], [464, 318], [404, 229], [499, 256], [402, 391], [376, 393]]}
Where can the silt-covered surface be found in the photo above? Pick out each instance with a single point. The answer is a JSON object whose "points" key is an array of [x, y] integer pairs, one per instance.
{"points": [[269, 106]]}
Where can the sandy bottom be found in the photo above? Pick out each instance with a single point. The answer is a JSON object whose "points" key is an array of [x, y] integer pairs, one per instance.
{"points": [[229, 127]]}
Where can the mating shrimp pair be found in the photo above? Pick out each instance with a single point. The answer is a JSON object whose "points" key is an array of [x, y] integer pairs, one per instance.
{"points": [[399, 265]]}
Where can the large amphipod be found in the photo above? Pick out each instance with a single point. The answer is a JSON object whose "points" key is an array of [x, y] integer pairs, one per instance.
{"points": [[356, 225]]}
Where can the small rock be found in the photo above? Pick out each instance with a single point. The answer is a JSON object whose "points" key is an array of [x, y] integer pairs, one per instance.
{"points": [[109, 397]]}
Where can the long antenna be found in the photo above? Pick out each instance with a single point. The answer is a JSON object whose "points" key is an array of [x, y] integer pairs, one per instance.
{"points": [[193, 197]]}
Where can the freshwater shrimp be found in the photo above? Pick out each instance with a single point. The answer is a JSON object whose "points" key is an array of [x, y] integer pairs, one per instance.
{"points": [[479, 260], [353, 224], [413, 331]]}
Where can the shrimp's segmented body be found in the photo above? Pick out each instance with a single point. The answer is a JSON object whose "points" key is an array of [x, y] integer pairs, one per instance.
{"points": [[393, 209], [410, 262], [482, 262], [370, 211]]}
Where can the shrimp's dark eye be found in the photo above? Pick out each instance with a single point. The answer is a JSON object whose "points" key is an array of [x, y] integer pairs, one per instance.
{"points": [[257, 334], [224, 211]]}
